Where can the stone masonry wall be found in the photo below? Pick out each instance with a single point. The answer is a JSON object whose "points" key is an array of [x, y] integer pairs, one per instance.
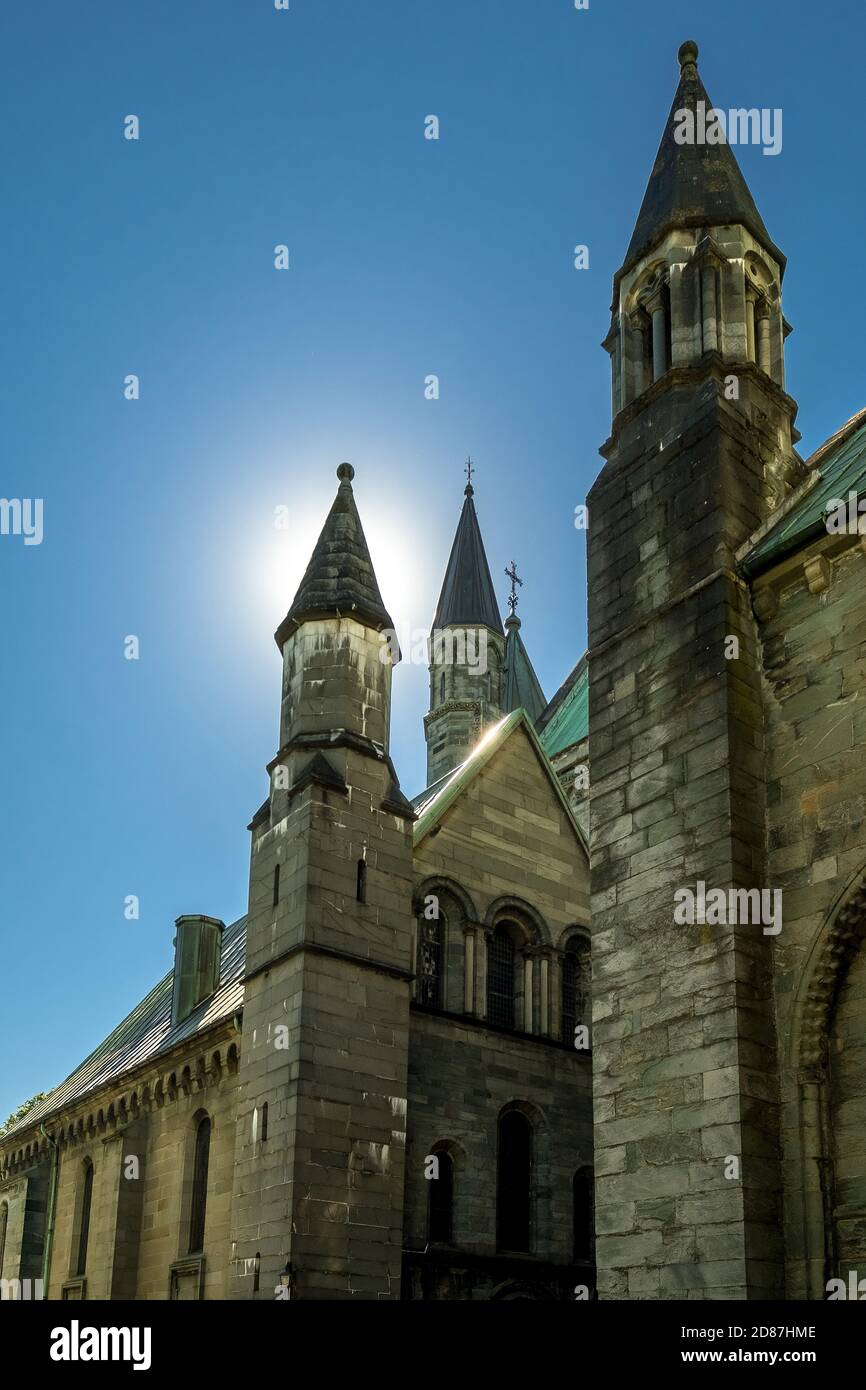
{"points": [[814, 653]]}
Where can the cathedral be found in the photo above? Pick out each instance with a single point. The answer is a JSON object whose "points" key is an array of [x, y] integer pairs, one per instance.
{"points": [[463, 1046]]}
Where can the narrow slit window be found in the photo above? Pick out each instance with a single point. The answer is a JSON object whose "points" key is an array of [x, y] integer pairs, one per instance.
{"points": [[361, 884], [441, 1200], [276, 885], [584, 1214], [199, 1187], [264, 1121], [84, 1227], [513, 1182]]}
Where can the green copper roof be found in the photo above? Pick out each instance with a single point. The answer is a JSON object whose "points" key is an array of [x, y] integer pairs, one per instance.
{"points": [[837, 468], [522, 686], [566, 719]]}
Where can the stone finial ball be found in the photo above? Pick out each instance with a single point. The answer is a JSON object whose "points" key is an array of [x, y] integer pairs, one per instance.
{"points": [[345, 472], [688, 52]]}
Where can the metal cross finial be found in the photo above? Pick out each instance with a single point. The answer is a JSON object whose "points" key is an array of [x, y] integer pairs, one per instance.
{"points": [[512, 575], [469, 471]]}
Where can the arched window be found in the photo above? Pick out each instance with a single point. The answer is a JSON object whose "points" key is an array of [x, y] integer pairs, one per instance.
{"points": [[575, 988], [441, 1199], [513, 1179], [4, 1222], [199, 1186], [84, 1217], [431, 960], [500, 977], [584, 1214]]}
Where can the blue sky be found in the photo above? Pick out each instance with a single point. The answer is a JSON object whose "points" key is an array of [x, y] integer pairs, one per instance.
{"points": [[408, 257]]}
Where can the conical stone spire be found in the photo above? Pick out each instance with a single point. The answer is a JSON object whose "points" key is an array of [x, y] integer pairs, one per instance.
{"points": [[339, 580], [468, 598], [692, 184]]}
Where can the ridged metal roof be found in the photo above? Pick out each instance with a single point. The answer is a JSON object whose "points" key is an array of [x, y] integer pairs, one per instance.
{"points": [[835, 469], [566, 719], [148, 1031]]}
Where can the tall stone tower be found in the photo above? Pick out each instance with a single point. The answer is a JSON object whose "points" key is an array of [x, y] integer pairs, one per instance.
{"points": [[467, 652], [700, 452], [318, 1195]]}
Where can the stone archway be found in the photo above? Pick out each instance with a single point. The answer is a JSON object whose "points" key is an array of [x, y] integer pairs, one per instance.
{"points": [[828, 1053]]}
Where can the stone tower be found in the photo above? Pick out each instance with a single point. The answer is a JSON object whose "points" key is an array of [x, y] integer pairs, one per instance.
{"points": [[700, 452], [467, 652], [318, 1185]]}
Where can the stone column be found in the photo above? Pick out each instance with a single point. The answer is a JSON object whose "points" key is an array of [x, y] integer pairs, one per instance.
{"points": [[622, 350], [483, 939], [528, 974], [813, 1187], [414, 962], [750, 323], [555, 995], [468, 967], [710, 313], [611, 344], [544, 997], [656, 308], [637, 327], [762, 316]]}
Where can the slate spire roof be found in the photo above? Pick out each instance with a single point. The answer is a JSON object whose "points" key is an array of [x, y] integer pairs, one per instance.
{"points": [[693, 185], [522, 687], [339, 580], [468, 597]]}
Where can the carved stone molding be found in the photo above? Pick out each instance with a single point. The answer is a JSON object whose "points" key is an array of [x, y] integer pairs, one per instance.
{"points": [[838, 948]]}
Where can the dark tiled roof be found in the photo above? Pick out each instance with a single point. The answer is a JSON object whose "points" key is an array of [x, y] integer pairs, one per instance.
{"points": [[522, 688], [148, 1031], [339, 578], [693, 185], [468, 596]]}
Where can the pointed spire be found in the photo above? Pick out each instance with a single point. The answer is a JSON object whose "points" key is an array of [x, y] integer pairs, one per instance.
{"points": [[522, 688], [693, 185], [339, 580], [468, 597]]}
